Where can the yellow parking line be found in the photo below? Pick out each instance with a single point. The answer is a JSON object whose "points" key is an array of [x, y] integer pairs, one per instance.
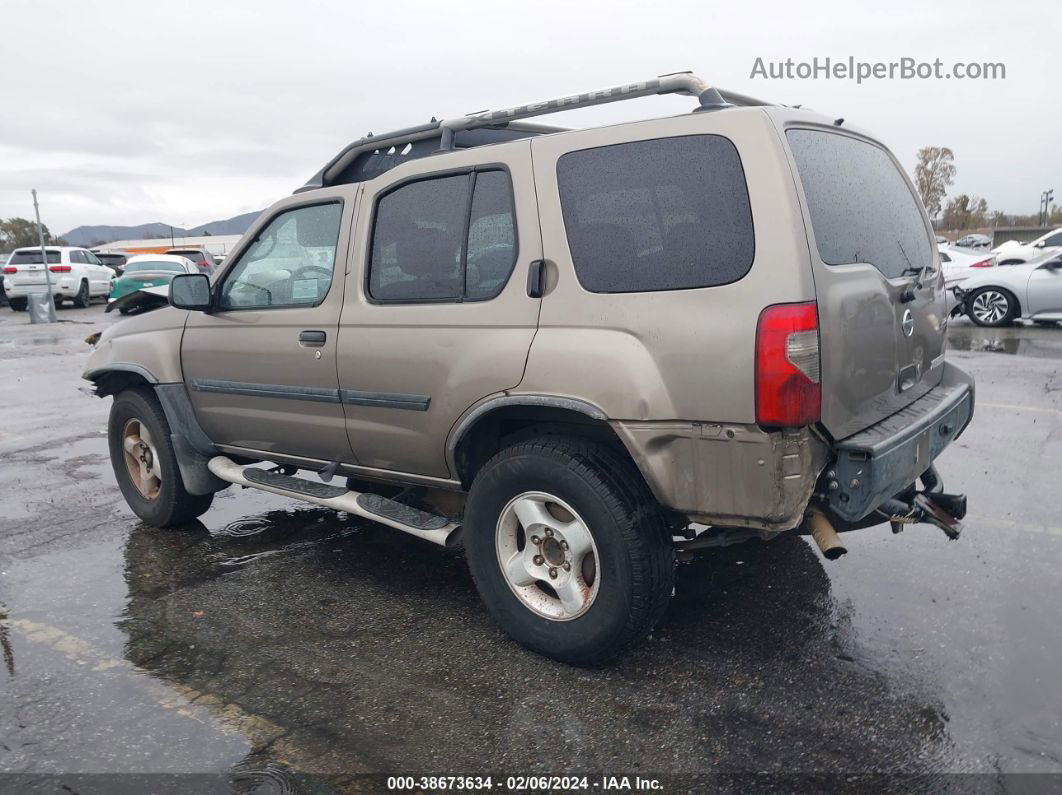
{"points": [[188, 702], [1012, 407]]}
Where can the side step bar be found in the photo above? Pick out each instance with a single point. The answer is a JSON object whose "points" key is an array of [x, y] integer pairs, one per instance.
{"points": [[429, 526]]}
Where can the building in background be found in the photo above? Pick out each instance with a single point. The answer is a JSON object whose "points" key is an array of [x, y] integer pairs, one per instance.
{"points": [[218, 245]]}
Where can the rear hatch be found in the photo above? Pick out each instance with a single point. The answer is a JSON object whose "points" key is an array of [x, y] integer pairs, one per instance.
{"points": [[881, 303], [28, 266]]}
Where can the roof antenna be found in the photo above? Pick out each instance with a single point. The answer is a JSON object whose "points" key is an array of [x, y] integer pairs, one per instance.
{"points": [[711, 99]]}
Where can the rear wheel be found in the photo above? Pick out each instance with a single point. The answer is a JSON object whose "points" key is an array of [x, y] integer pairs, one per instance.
{"points": [[144, 462], [568, 548], [82, 299], [991, 306], [18, 304]]}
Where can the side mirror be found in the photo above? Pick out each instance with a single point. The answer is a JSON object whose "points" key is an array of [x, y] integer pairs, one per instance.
{"points": [[190, 291], [1040, 244]]}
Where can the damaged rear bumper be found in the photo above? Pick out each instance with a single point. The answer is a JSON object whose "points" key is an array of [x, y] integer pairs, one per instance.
{"points": [[886, 459]]}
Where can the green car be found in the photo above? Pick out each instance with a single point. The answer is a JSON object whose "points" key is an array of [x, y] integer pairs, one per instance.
{"points": [[149, 270]]}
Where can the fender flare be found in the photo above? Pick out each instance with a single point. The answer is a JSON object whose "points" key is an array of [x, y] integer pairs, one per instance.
{"points": [[471, 417]]}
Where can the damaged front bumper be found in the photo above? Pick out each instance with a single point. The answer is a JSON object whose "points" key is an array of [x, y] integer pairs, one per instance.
{"points": [[875, 470]]}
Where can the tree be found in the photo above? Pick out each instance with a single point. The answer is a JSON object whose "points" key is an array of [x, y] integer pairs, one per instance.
{"points": [[19, 233], [934, 172], [965, 212]]}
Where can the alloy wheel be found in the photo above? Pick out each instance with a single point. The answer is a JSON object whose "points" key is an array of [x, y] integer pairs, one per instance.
{"points": [[142, 459], [547, 556], [990, 306]]}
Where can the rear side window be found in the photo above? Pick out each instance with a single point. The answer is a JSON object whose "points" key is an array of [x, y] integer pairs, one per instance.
{"points": [[32, 257], [449, 238], [862, 209], [665, 214]]}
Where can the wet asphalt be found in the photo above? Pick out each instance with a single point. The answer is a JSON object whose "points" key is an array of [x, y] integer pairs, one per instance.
{"points": [[274, 643]]}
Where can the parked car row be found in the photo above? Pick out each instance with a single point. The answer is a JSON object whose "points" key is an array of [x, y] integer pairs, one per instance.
{"points": [[1014, 281]]}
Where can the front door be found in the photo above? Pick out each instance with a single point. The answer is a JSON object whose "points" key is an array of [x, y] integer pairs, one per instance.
{"points": [[261, 367], [437, 314], [1045, 292]]}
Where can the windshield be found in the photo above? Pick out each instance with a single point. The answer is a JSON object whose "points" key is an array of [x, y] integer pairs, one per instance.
{"points": [[154, 265]]}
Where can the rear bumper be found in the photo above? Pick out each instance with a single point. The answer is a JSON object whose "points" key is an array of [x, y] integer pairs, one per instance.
{"points": [[63, 287], [885, 459]]}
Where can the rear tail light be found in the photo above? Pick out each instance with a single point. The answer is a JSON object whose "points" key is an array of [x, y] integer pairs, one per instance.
{"points": [[203, 263], [59, 268], [788, 392], [10, 269], [985, 263]]}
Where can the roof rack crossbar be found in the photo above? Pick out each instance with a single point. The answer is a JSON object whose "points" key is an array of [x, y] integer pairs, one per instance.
{"points": [[686, 83], [677, 83]]}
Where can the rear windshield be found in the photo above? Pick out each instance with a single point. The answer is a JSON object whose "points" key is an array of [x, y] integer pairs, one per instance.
{"points": [[195, 256], [862, 209], [32, 256], [132, 267], [664, 214]]}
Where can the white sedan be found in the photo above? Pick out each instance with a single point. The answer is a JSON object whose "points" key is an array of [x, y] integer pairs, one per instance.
{"points": [[1012, 252], [1030, 291]]}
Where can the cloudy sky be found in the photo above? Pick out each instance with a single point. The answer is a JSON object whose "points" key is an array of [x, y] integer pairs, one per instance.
{"points": [[186, 111]]}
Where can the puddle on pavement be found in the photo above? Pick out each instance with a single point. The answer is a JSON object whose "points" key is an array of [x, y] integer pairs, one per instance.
{"points": [[1017, 341]]}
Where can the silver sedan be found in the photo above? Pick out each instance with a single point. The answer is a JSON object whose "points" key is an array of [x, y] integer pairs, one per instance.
{"points": [[1000, 295]]}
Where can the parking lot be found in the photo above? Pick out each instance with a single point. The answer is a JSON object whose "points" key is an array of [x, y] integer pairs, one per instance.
{"points": [[273, 642]]}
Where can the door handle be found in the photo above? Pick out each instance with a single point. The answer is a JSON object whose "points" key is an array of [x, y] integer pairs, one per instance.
{"points": [[312, 338], [536, 279]]}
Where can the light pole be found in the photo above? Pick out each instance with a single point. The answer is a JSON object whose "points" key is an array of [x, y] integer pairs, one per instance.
{"points": [[44, 261], [1045, 199]]}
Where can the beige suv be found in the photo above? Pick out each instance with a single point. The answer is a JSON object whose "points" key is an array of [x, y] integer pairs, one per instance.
{"points": [[580, 353]]}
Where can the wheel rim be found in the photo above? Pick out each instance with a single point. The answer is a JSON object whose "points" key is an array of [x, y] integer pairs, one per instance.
{"points": [[142, 459], [547, 556], [991, 306]]}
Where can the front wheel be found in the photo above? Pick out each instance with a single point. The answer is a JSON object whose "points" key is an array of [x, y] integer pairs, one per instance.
{"points": [[991, 306], [568, 548], [145, 464]]}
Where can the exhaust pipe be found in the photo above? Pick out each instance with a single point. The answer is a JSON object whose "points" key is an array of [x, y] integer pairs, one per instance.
{"points": [[825, 536]]}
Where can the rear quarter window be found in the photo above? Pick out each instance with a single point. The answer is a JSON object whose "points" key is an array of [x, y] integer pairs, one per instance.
{"points": [[663, 214], [862, 209]]}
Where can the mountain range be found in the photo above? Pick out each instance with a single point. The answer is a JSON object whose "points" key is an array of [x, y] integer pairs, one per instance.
{"points": [[95, 235]]}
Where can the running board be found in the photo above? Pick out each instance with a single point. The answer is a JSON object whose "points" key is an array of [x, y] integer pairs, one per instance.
{"points": [[429, 526]]}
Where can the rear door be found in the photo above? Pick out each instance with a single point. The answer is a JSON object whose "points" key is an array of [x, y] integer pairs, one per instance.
{"points": [[261, 367], [882, 314], [437, 314]]}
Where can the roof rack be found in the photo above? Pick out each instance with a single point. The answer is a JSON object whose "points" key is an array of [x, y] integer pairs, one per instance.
{"points": [[373, 155]]}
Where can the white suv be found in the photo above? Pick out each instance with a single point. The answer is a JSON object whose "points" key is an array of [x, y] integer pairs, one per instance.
{"points": [[76, 273]]}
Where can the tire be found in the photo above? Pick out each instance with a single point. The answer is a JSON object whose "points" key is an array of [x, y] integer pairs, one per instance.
{"points": [[160, 499], [83, 297], [991, 306], [623, 583], [18, 304]]}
